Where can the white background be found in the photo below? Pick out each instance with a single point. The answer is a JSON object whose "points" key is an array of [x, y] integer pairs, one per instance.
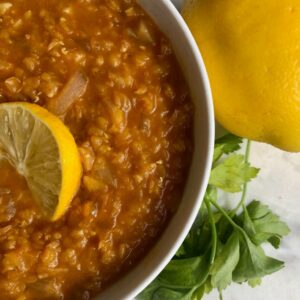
{"points": [[277, 185]]}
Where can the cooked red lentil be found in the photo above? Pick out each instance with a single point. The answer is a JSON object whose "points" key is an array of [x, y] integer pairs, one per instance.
{"points": [[105, 68]]}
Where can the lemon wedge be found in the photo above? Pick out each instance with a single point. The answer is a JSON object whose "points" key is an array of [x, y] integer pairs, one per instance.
{"points": [[43, 150]]}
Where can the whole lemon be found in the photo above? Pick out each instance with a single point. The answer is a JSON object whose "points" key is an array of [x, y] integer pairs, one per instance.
{"points": [[251, 49]]}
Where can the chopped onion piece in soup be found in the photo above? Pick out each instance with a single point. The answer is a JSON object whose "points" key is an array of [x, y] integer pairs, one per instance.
{"points": [[72, 91]]}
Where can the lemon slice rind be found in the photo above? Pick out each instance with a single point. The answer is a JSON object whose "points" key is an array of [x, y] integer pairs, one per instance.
{"points": [[43, 150]]}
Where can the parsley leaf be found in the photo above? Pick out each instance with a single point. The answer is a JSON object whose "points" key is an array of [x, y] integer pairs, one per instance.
{"points": [[267, 226], [232, 173], [225, 145], [198, 237], [248, 224], [253, 262], [254, 282], [191, 271], [226, 262]]}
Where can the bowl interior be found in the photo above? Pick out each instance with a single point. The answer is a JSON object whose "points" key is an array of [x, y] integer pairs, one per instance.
{"points": [[170, 22]]}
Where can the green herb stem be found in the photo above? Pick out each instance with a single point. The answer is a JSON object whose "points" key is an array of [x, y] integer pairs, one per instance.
{"points": [[227, 216], [213, 229], [224, 213], [220, 295], [245, 186]]}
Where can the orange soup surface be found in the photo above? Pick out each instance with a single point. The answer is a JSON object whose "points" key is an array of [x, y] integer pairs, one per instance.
{"points": [[133, 125]]}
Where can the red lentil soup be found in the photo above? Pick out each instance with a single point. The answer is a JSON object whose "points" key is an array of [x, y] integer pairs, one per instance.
{"points": [[132, 121]]}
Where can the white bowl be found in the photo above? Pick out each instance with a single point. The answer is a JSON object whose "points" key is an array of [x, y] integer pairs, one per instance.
{"points": [[171, 23]]}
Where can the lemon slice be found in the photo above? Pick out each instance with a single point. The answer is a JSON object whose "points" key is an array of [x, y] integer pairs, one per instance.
{"points": [[42, 149]]}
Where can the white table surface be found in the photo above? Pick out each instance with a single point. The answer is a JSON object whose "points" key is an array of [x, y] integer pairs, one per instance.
{"points": [[278, 185]]}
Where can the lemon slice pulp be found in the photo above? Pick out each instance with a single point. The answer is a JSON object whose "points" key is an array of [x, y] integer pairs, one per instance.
{"points": [[43, 150]]}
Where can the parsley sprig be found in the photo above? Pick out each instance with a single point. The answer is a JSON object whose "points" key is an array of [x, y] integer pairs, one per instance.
{"points": [[223, 246]]}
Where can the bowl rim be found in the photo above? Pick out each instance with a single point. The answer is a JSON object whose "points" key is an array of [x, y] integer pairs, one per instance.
{"points": [[207, 98]]}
